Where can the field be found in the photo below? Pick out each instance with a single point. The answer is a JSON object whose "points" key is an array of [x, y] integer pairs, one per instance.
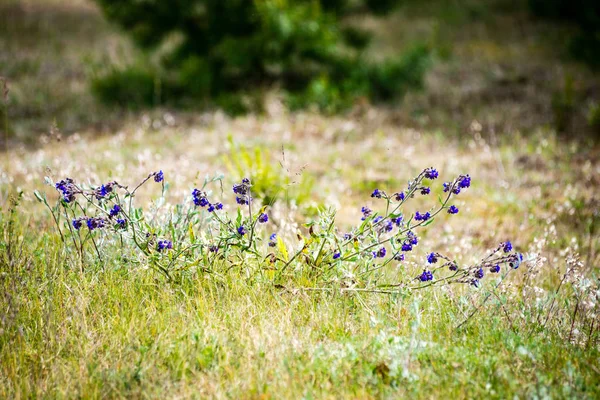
{"points": [[116, 329]]}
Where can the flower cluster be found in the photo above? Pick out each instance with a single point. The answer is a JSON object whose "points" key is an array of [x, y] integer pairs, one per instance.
{"points": [[199, 233], [243, 191]]}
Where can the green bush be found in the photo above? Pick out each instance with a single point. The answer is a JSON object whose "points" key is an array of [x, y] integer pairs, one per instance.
{"points": [[585, 16], [219, 48]]}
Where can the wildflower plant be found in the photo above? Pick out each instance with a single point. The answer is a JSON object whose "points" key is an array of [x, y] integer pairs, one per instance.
{"points": [[202, 235]]}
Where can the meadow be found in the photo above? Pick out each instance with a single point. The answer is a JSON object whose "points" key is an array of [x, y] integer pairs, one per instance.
{"points": [[75, 325]]}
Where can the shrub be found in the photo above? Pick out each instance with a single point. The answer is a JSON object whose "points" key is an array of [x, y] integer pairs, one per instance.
{"points": [[585, 15], [217, 48]]}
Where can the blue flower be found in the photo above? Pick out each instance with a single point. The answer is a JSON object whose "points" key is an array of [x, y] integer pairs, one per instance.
{"points": [[379, 253], [495, 269], [103, 191], [164, 245], [475, 282], [67, 188], [517, 261], [77, 223], [366, 212], [431, 173], [479, 273], [389, 226], [263, 218], [241, 230], [399, 196], [210, 208], [121, 223], [464, 182], [453, 266], [412, 238], [159, 176], [377, 193], [407, 246], [425, 190], [242, 188], [426, 276], [432, 258], [219, 206], [200, 198], [115, 210], [397, 220], [272, 238], [507, 246], [93, 223], [213, 248], [422, 217], [399, 257], [245, 200], [377, 219], [336, 255], [453, 210]]}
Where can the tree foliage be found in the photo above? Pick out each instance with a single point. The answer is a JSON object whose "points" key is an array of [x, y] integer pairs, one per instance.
{"points": [[218, 49]]}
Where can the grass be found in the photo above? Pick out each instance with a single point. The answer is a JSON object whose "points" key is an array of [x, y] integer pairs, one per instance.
{"points": [[120, 330]]}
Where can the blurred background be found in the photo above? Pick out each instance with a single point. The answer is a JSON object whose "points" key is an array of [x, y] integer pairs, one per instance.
{"points": [[90, 66]]}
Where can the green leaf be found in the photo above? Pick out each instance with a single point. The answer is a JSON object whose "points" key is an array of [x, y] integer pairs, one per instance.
{"points": [[41, 198], [282, 249]]}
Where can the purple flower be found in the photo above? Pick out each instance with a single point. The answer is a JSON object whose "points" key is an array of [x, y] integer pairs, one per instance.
{"points": [[412, 237], [200, 198], [479, 273], [422, 217], [366, 212], [425, 190], [242, 188], [407, 246], [164, 245], [388, 226], [67, 188], [453, 210], [347, 236], [263, 218], [121, 223], [379, 253], [115, 210], [432, 258], [475, 282], [96, 222], [517, 261], [464, 182], [426, 276], [77, 223], [399, 257], [377, 219], [336, 255], [453, 266], [431, 173], [272, 238], [495, 269], [241, 230], [377, 194], [397, 220], [219, 206], [103, 191], [507, 246], [213, 248], [159, 176], [245, 200], [399, 196], [210, 208]]}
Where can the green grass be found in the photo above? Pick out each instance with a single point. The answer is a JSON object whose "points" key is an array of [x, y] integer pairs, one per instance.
{"points": [[119, 330], [113, 331]]}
